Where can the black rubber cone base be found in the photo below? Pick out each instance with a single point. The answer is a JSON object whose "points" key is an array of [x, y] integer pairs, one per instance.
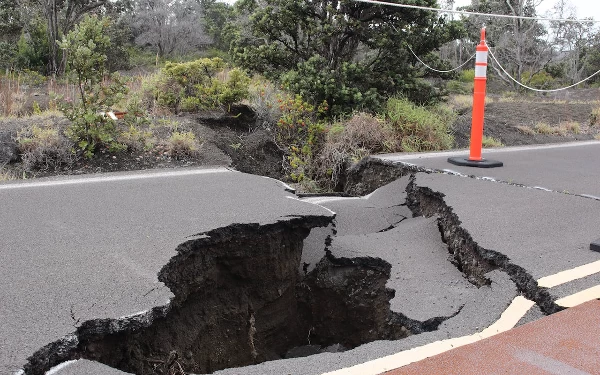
{"points": [[484, 163], [595, 246]]}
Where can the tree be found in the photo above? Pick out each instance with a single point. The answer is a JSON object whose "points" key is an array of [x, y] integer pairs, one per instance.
{"points": [[349, 53], [519, 43], [171, 27], [571, 41], [215, 16], [85, 47]]}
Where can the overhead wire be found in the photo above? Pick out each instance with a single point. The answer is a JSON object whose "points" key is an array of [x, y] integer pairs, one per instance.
{"points": [[441, 71], [477, 13], [533, 88]]}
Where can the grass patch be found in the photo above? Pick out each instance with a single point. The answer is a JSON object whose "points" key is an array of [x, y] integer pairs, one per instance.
{"points": [[543, 128], [416, 128], [44, 148], [570, 127], [490, 142], [525, 130], [182, 144]]}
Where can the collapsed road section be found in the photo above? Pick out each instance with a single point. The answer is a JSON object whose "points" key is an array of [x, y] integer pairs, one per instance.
{"points": [[421, 259]]}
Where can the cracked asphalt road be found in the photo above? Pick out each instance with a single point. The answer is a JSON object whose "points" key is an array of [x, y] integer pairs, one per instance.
{"points": [[91, 247], [64, 267]]}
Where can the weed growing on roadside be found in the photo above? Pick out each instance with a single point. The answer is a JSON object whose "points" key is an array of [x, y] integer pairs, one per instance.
{"points": [[543, 128], [43, 148], [182, 144], [571, 127], [525, 130], [490, 142]]}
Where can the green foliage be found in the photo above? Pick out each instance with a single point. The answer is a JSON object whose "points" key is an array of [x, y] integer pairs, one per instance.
{"points": [[300, 133], [459, 87], [197, 85], [350, 54], [32, 48], [540, 80], [86, 47], [418, 129], [467, 76]]}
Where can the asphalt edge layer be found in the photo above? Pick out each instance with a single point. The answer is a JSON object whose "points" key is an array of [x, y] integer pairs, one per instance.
{"points": [[468, 255]]}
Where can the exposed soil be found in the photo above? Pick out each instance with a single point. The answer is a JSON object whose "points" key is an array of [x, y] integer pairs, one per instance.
{"points": [[504, 116]]}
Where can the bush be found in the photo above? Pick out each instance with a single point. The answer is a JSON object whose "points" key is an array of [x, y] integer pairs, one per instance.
{"points": [[195, 85], [538, 80], [86, 47], [300, 134], [348, 142], [43, 148], [416, 128], [467, 76], [263, 99], [182, 144]]}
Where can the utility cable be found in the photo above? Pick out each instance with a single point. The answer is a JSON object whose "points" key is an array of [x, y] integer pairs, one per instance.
{"points": [[440, 71], [477, 13], [534, 89]]}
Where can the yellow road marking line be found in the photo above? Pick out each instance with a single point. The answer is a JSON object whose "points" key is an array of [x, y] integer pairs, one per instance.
{"points": [[509, 318], [569, 275], [580, 297]]}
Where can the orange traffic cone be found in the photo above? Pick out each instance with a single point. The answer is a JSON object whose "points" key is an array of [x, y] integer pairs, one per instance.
{"points": [[475, 159]]}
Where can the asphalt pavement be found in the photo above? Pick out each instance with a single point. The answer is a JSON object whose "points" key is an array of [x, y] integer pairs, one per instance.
{"points": [[81, 248]]}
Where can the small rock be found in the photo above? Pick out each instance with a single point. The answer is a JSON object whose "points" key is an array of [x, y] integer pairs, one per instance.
{"points": [[114, 157]]}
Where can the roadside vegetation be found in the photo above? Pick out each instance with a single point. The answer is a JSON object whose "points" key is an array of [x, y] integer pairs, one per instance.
{"points": [[118, 83]]}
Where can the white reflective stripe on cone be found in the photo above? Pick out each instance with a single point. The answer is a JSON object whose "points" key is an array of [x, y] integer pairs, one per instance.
{"points": [[481, 56], [480, 71]]}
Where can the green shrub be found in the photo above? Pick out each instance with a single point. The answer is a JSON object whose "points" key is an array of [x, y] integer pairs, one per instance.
{"points": [[458, 87], [541, 79], [300, 133], [467, 76], [195, 85], [137, 139], [416, 128], [86, 47]]}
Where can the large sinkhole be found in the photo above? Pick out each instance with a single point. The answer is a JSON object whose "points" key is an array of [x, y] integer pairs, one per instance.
{"points": [[240, 299]]}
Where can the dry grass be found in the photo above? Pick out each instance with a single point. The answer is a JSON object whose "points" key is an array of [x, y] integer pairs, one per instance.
{"points": [[570, 127], [361, 135], [490, 142], [525, 130], [43, 148], [543, 128]]}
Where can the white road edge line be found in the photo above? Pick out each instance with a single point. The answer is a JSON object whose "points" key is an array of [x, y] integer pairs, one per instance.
{"points": [[509, 318], [57, 368], [413, 156], [112, 178]]}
